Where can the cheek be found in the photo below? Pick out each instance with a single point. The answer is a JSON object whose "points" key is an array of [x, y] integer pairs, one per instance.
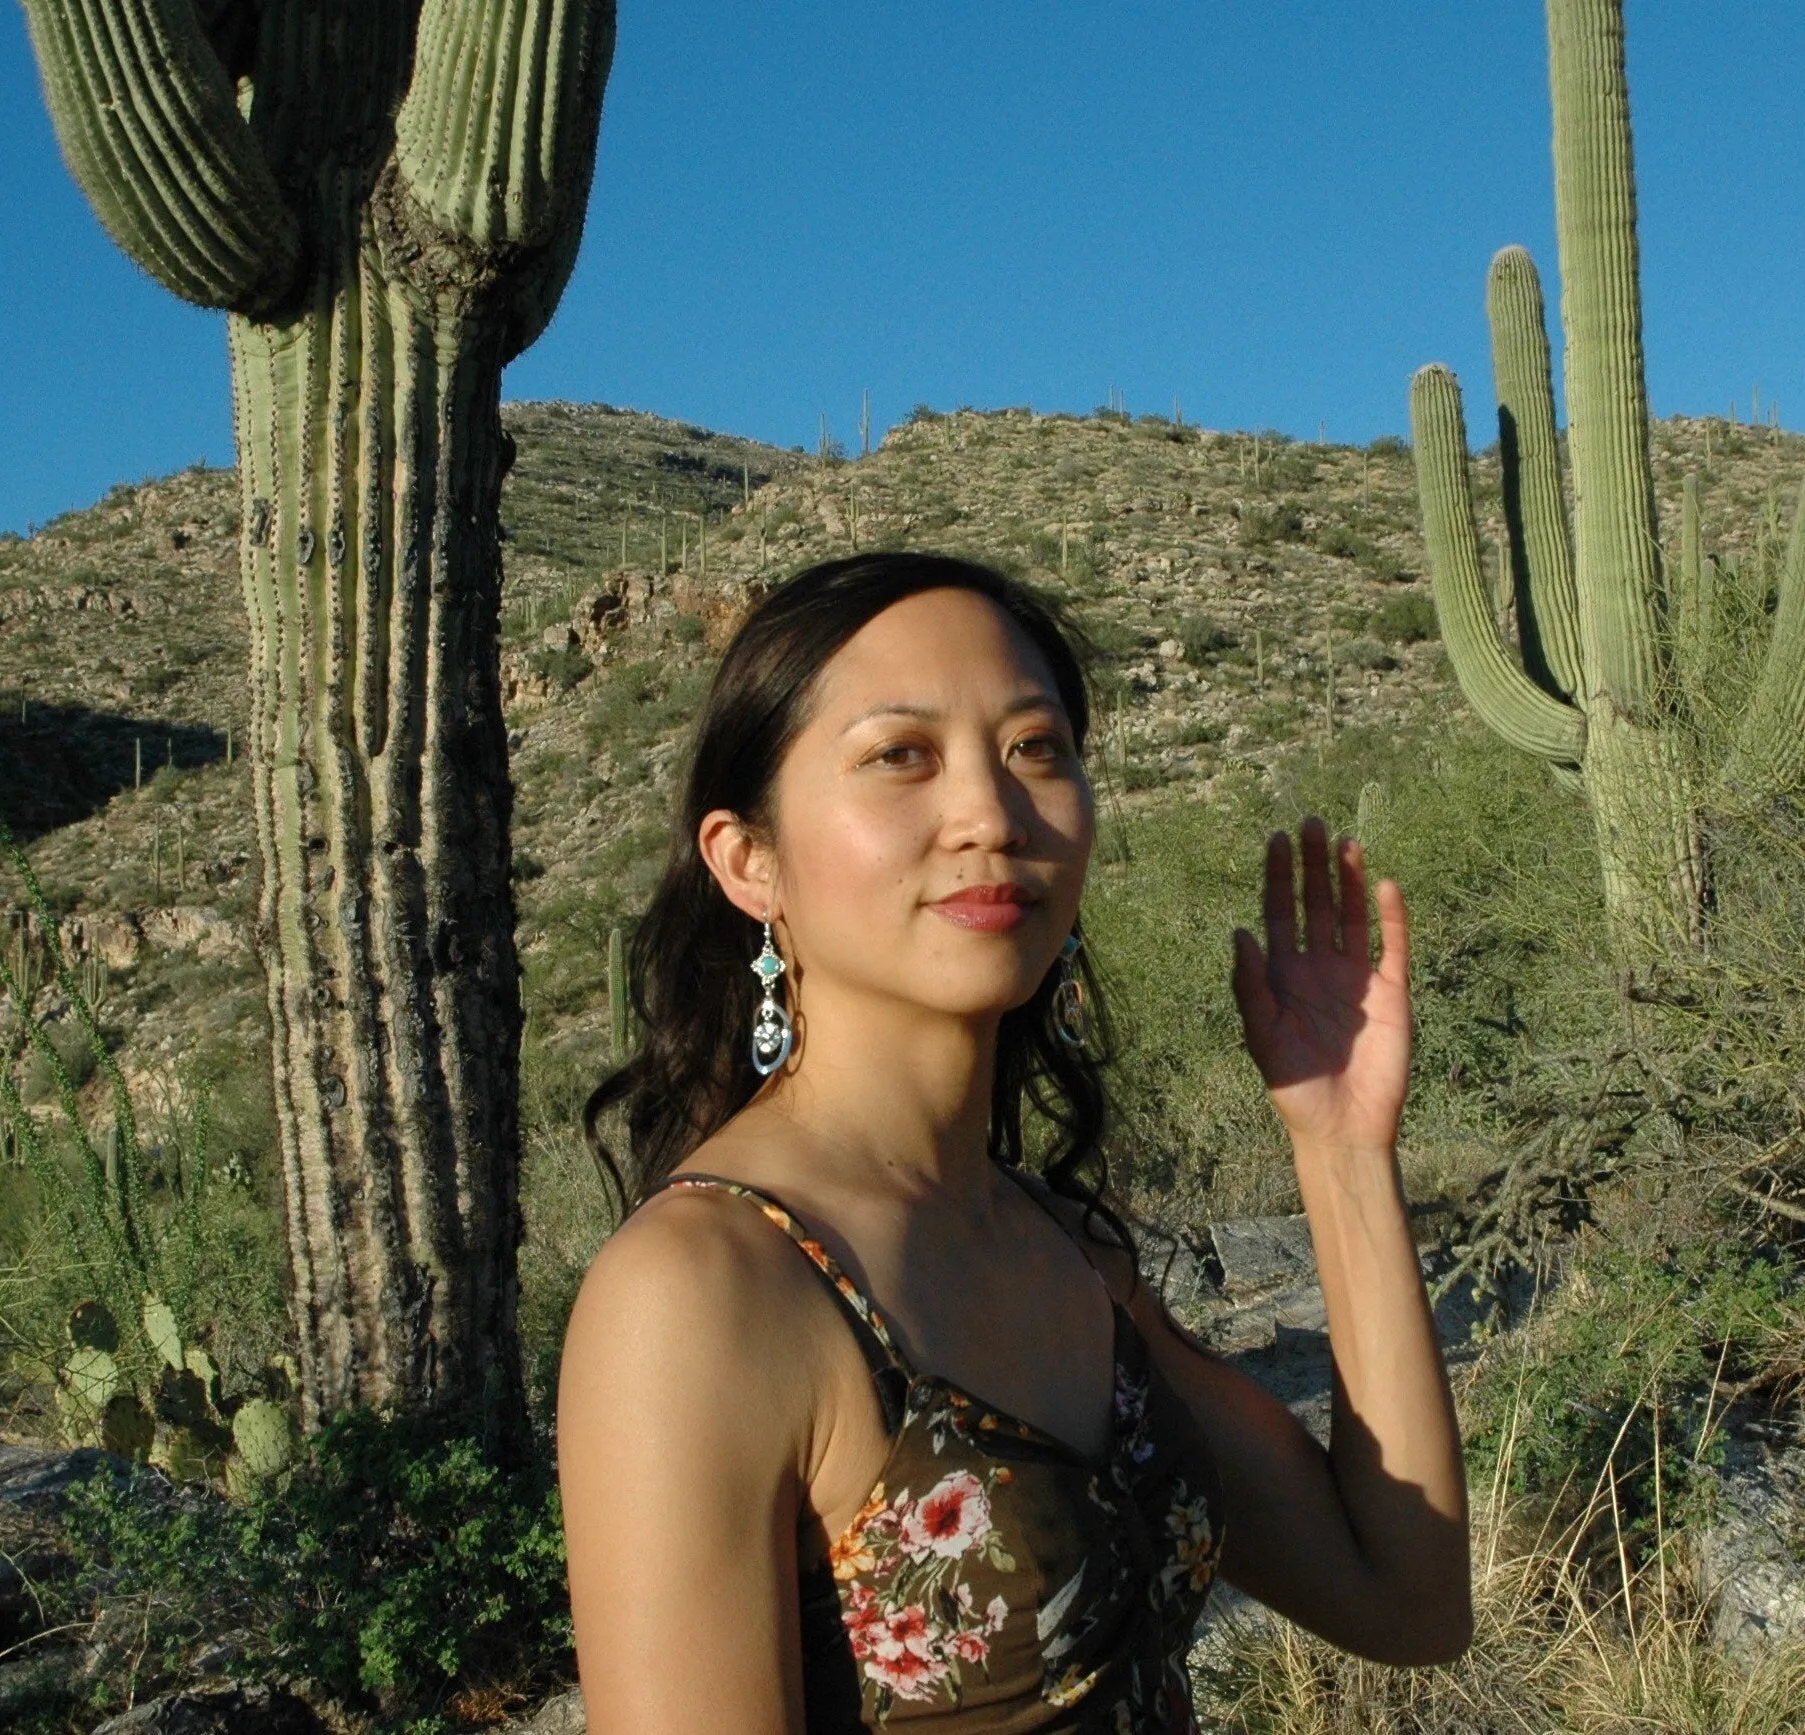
{"points": [[845, 854]]}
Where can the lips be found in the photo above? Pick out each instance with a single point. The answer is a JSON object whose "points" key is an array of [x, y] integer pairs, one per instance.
{"points": [[1002, 893], [991, 909]]}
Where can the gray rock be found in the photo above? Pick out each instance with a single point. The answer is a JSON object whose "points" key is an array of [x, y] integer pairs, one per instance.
{"points": [[563, 1715], [218, 1711], [1258, 1254], [1751, 1562], [41, 1475]]}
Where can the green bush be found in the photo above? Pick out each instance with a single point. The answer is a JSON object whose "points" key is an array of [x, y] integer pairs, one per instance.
{"points": [[1203, 638], [1364, 653], [1627, 1364], [1406, 619], [1265, 526], [562, 665], [1509, 946], [400, 1562]]}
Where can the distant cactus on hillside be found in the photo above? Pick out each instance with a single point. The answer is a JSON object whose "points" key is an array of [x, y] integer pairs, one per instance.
{"points": [[386, 196], [1606, 635]]}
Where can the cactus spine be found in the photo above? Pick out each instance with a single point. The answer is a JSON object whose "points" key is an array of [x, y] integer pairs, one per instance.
{"points": [[386, 197], [1594, 692]]}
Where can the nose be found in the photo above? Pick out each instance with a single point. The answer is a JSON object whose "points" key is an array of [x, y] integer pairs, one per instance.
{"points": [[986, 808]]}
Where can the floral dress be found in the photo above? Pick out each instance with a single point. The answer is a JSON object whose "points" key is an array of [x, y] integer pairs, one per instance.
{"points": [[996, 1581]]}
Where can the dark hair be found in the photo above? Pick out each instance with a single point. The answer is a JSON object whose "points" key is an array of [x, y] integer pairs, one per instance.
{"points": [[687, 964]]}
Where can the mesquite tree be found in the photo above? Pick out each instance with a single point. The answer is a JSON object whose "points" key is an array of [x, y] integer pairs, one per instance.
{"points": [[386, 197], [1607, 635]]}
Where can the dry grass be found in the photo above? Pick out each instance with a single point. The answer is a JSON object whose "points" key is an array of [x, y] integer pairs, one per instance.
{"points": [[1565, 1643]]}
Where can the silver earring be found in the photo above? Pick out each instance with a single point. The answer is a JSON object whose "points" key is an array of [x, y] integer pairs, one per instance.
{"points": [[772, 1032], [1071, 1017]]}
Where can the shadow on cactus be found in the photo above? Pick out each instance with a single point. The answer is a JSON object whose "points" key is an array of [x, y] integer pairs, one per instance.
{"points": [[129, 1368]]}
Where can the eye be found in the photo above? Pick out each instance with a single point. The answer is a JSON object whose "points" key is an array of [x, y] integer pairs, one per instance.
{"points": [[898, 755], [1046, 746]]}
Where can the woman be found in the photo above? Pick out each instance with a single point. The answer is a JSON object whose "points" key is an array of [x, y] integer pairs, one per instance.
{"points": [[786, 1503]]}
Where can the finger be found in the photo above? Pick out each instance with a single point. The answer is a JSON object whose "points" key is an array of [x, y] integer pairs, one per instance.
{"points": [[1281, 899], [1253, 993], [1319, 899], [1351, 863], [1394, 935]]}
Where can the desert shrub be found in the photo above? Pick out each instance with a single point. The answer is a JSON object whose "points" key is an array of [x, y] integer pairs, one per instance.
{"points": [[72, 1048], [1266, 526], [1341, 540], [1405, 619], [1364, 653], [400, 1561], [1608, 1399], [1203, 638], [562, 665]]}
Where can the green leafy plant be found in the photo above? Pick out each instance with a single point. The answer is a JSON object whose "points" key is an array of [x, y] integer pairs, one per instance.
{"points": [[398, 1561], [1610, 1400]]}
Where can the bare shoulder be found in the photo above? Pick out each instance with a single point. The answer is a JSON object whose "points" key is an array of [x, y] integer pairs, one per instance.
{"points": [[692, 1289], [684, 1416]]}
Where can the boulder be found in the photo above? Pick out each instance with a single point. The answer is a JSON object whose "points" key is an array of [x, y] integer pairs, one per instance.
{"points": [[1751, 1562]]}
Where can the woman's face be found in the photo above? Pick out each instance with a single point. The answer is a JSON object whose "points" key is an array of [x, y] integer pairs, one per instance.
{"points": [[933, 819]]}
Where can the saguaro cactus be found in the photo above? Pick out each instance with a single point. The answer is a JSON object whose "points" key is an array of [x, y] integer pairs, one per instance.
{"points": [[386, 197], [1596, 692]]}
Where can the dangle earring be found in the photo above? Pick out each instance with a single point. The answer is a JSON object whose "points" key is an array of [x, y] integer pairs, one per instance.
{"points": [[772, 1032], [1071, 1017]]}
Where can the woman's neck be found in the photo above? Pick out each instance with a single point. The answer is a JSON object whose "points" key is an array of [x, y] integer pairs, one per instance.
{"points": [[899, 1105]]}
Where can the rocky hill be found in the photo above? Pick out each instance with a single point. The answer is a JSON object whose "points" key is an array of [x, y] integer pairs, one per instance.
{"points": [[1244, 592]]}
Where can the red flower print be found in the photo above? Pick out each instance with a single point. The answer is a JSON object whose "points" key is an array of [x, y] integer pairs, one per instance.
{"points": [[903, 1656], [969, 1647], [864, 1620], [952, 1517]]}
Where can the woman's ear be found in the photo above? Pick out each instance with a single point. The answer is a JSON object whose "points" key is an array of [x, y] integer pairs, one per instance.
{"points": [[741, 860]]}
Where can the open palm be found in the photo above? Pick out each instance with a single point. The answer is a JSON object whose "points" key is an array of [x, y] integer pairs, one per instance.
{"points": [[1328, 1028]]}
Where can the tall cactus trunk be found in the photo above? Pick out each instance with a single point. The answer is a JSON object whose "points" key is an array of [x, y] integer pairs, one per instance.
{"points": [[387, 197], [371, 459], [1639, 787]]}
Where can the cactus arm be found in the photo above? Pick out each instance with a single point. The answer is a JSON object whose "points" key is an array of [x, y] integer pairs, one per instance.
{"points": [[1607, 400], [1769, 754], [1534, 509], [1507, 700], [150, 129], [495, 140]]}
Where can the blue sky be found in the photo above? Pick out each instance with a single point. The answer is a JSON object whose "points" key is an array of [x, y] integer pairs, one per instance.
{"points": [[1272, 211]]}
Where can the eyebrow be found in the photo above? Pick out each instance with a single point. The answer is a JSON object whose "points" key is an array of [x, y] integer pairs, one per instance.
{"points": [[928, 713]]}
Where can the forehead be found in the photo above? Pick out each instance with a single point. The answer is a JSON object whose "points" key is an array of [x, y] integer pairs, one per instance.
{"points": [[933, 650]]}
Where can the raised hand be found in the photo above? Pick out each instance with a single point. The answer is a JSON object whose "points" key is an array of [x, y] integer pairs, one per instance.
{"points": [[1328, 1029]]}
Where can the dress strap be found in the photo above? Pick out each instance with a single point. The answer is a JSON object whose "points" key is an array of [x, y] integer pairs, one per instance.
{"points": [[889, 1368]]}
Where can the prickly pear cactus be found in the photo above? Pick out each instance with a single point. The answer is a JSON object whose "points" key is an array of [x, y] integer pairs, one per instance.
{"points": [[386, 196], [263, 1447], [88, 1381], [1600, 689]]}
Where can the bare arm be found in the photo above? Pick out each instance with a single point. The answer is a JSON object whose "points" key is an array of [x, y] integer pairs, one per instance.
{"points": [[1365, 1543], [679, 1435]]}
